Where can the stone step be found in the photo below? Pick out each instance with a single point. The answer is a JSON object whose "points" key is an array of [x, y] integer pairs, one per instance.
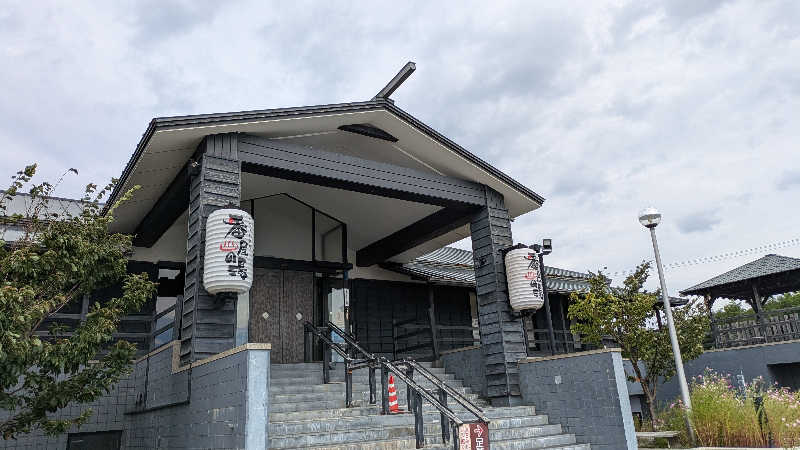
{"points": [[341, 437], [334, 388], [389, 444], [409, 443], [296, 366], [555, 440], [533, 436], [357, 379], [339, 373], [431, 421], [361, 393], [289, 416], [315, 405], [323, 413]]}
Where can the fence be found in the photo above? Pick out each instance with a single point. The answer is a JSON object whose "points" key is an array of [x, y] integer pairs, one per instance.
{"points": [[748, 329], [415, 339]]}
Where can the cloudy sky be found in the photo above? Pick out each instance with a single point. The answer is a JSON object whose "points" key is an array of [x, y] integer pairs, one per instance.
{"points": [[603, 108]]}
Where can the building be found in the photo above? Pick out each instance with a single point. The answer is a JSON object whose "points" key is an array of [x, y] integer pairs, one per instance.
{"points": [[351, 204]]}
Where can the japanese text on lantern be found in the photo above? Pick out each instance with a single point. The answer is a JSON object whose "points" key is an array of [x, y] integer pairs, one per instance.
{"points": [[235, 246], [534, 274]]}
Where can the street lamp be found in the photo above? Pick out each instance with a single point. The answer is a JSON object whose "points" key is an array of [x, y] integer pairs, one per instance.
{"points": [[650, 218], [545, 249]]}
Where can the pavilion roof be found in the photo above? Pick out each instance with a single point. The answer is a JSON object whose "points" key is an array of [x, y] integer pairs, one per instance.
{"points": [[772, 274], [450, 265]]}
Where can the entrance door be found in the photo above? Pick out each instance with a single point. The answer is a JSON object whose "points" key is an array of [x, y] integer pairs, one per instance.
{"points": [[280, 302]]}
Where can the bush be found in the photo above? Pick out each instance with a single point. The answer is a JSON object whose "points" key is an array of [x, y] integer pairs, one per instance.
{"points": [[724, 416]]}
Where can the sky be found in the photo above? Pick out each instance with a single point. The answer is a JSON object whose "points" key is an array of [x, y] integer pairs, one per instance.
{"points": [[603, 108]]}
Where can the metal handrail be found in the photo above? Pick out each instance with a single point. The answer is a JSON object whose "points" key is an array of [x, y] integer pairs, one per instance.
{"points": [[350, 340], [415, 391], [471, 407]]}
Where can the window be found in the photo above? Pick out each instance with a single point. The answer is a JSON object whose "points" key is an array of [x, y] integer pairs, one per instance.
{"points": [[101, 440], [170, 293]]}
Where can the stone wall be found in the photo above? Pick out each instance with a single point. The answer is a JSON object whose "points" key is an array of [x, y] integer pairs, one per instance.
{"points": [[467, 364], [585, 392], [219, 402], [776, 362]]}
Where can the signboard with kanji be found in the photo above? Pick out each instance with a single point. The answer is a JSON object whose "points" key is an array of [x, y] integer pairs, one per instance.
{"points": [[473, 436]]}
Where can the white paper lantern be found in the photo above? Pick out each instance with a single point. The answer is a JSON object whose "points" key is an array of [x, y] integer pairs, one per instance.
{"points": [[229, 252], [525, 290]]}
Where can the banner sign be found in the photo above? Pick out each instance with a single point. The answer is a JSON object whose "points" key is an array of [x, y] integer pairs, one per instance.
{"points": [[473, 436]]}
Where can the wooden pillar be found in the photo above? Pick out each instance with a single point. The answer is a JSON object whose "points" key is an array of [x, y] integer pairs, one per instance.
{"points": [[709, 302], [756, 299], [208, 327], [501, 330], [434, 327], [757, 307]]}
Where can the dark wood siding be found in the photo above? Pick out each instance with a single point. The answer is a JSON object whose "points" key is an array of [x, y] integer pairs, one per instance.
{"points": [[206, 327], [376, 303], [501, 332], [286, 160]]}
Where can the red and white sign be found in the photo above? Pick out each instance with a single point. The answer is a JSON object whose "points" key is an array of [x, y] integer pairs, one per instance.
{"points": [[473, 436]]}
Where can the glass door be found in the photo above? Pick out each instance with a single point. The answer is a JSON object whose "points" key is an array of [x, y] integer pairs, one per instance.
{"points": [[335, 300]]}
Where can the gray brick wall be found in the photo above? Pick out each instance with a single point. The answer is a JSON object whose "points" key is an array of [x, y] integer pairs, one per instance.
{"points": [[468, 365], [584, 392], [228, 406]]}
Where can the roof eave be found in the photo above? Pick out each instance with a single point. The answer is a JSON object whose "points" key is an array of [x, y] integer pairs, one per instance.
{"points": [[161, 123]]}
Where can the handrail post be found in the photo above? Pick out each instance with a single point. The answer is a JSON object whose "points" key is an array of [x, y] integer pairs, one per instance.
{"points": [[385, 389], [348, 380], [394, 339], [445, 420], [409, 397], [371, 385], [456, 443], [419, 426], [307, 345], [326, 363]]}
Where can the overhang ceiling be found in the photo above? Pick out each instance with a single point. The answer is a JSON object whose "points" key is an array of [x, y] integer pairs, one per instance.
{"points": [[169, 143], [368, 217]]}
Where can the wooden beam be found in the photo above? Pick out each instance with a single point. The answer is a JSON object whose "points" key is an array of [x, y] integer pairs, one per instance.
{"points": [[280, 159], [329, 267], [172, 203], [421, 231]]}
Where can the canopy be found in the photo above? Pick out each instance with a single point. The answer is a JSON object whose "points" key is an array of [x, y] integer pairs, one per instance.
{"points": [[769, 275]]}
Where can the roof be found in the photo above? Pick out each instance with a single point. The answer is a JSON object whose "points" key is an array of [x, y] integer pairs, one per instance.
{"points": [[229, 120], [736, 282], [450, 265]]}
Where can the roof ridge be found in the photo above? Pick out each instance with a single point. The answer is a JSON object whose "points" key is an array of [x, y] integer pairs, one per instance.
{"points": [[721, 278]]}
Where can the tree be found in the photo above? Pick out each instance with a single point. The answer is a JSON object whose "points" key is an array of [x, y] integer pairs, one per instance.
{"points": [[783, 301], [733, 309], [627, 316], [60, 256]]}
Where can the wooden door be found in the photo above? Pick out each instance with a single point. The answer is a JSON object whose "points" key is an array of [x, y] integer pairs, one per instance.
{"points": [[280, 302], [265, 310]]}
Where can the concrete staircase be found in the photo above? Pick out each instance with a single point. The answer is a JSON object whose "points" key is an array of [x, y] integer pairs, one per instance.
{"points": [[305, 413]]}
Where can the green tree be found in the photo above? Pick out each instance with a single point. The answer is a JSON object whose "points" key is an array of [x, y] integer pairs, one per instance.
{"points": [[60, 256], [731, 310], [627, 316], [783, 301]]}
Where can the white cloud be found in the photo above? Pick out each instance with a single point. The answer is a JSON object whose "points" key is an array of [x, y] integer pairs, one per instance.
{"points": [[603, 108]]}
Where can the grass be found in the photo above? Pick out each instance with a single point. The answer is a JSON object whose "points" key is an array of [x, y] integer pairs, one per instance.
{"points": [[724, 416]]}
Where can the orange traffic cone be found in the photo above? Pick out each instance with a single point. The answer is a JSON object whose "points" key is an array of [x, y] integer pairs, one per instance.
{"points": [[393, 405]]}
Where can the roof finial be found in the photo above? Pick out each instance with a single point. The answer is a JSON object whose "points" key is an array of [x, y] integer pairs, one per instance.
{"points": [[395, 82]]}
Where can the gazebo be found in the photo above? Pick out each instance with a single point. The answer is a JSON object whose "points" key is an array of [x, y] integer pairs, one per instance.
{"points": [[754, 282]]}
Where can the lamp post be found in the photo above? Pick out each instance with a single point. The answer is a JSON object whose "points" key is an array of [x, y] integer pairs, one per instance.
{"points": [[545, 249], [650, 218]]}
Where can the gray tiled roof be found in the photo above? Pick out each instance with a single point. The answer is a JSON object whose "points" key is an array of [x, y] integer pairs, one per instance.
{"points": [[767, 265], [454, 265]]}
